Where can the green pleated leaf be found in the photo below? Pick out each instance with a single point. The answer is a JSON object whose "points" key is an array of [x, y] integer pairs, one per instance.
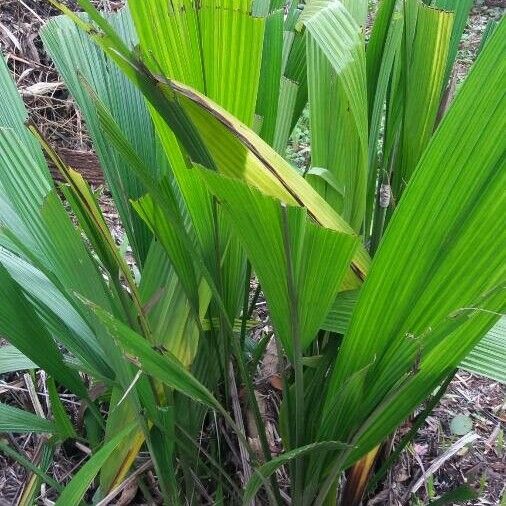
{"points": [[461, 9], [339, 316], [25, 179], [183, 45], [76, 57], [391, 50], [358, 10], [425, 78], [168, 309], [13, 116], [278, 239], [47, 235], [103, 35], [160, 364], [338, 105], [488, 357], [236, 150], [89, 214], [376, 48], [16, 420], [295, 69], [444, 347], [59, 314], [64, 248], [244, 156], [269, 95], [30, 336], [288, 94], [443, 254], [232, 64]]}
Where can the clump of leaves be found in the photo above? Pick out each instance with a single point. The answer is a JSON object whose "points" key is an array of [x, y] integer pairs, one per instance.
{"points": [[189, 128]]}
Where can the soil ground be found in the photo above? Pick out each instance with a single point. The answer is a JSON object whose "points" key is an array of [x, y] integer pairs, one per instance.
{"points": [[480, 463]]}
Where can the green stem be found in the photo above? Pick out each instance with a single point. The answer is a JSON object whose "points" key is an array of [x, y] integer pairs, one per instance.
{"points": [[383, 203], [296, 361], [252, 401], [213, 462], [228, 337], [254, 300], [245, 305], [379, 218], [224, 335]]}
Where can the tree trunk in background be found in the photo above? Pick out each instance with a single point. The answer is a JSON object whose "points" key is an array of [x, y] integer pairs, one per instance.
{"points": [[84, 162]]}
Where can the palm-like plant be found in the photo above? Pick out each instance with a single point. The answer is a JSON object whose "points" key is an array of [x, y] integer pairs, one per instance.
{"points": [[190, 106]]}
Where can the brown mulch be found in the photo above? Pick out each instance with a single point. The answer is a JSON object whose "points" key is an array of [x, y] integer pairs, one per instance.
{"points": [[45, 96], [482, 464]]}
